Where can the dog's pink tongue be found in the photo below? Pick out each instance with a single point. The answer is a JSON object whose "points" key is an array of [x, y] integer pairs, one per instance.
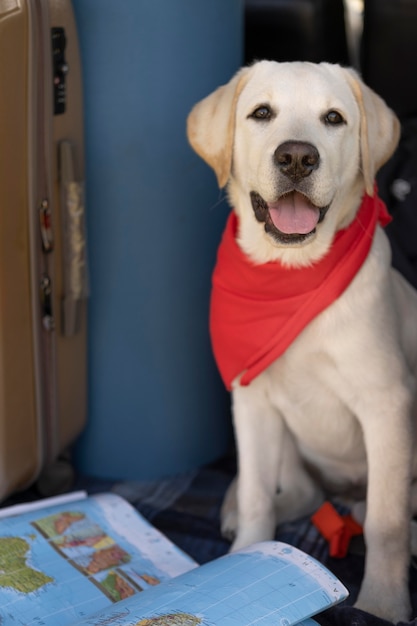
{"points": [[294, 214]]}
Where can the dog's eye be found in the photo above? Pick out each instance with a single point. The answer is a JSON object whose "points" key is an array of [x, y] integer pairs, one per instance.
{"points": [[261, 113], [333, 118]]}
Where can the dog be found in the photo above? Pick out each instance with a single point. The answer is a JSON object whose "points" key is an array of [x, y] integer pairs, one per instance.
{"points": [[329, 405]]}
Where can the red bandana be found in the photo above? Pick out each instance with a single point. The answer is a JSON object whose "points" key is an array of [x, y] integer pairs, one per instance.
{"points": [[258, 310]]}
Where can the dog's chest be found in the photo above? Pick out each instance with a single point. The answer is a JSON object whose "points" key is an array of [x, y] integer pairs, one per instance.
{"points": [[305, 393]]}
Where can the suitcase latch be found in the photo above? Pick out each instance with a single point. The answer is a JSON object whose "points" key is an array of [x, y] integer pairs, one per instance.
{"points": [[45, 223], [48, 321]]}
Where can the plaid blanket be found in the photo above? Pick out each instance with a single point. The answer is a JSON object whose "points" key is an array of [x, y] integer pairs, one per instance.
{"points": [[186, 508]]}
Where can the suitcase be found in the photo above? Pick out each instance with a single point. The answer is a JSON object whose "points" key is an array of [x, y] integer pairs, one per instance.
{"points": [[42, 240]]}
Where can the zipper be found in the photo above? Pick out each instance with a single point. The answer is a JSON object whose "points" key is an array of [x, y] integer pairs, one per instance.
{"points": [[41, 226]]}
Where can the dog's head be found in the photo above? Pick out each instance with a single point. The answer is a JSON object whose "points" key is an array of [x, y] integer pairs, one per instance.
{"points": [[297, 144]]}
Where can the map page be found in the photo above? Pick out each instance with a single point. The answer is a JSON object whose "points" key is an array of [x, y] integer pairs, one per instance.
{"points": [[61, 563], [269, 584]]}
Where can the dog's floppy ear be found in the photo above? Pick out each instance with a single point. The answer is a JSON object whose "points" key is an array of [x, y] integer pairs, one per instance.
{"points": [[379, 129], [211, 126]]}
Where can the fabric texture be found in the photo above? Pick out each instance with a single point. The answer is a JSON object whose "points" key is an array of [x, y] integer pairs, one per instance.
{"points": [[258, 310]]}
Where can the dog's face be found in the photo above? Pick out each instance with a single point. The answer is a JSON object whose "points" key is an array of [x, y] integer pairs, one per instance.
{"points": [[297, 143], [296, 146]]}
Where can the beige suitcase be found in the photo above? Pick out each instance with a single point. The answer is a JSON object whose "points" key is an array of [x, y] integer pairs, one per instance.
{"points": [[42, 239]]}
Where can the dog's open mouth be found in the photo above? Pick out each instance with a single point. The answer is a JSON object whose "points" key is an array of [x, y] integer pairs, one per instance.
{"points": [[292, 218]]}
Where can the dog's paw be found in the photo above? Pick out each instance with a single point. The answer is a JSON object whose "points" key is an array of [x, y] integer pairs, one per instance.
{"points": [[243, 537], [228, 513], [250, 535], [229, 525], [394, 607]]}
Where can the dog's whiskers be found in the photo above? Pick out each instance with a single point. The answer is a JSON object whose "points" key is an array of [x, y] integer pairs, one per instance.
{"points": [[221, 199]]}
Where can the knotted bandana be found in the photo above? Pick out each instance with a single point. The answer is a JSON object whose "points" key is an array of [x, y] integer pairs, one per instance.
{"points": [[258, 310]]}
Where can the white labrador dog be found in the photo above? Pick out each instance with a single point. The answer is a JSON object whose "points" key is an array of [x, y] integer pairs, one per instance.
{"points": [[336, 411]]}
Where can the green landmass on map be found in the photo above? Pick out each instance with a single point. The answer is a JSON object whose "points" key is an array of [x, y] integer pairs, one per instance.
{"points": [[172, 619], [117, 587], [14, 571]]}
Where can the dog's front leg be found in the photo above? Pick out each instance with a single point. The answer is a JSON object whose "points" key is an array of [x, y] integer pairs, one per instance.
{"points": [[259, 432], [389, 443]]}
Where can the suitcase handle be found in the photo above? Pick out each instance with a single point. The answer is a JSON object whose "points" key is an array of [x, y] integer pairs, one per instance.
{"points": [[73, 240]]}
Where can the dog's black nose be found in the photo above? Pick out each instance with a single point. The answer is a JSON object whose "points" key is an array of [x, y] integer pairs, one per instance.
{"points": [[297, 159]]}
